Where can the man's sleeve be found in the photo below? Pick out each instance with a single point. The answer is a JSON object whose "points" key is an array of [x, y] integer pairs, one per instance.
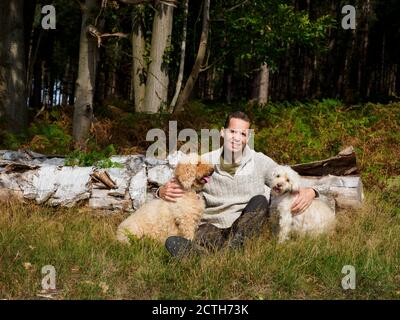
{"points": [[320, 190]]}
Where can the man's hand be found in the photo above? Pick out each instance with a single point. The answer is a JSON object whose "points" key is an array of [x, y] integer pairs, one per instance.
{"points": [[171, 191], [303, 200]]}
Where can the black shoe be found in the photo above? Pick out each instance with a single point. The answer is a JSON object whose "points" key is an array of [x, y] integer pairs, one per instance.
{"points": [[179, 247]]}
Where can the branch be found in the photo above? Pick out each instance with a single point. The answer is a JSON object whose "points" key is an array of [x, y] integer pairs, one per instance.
{"points": [[238, 5], [96, 33]]}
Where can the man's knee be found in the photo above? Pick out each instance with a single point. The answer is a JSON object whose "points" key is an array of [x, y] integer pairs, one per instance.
{"points": [[258, 201], [210, 237]]}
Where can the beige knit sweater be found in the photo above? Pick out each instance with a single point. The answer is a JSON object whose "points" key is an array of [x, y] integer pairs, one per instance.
{"points": [[226, 195]]}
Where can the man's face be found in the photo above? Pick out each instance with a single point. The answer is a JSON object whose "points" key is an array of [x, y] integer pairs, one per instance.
{"points": [[236, 135]]}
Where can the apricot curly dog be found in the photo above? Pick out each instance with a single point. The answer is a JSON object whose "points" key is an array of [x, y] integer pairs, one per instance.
{"points": [[159, 219]]}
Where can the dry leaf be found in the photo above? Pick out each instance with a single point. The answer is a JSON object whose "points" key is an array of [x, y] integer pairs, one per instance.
{"points": [[104, 287], [27, 266]]}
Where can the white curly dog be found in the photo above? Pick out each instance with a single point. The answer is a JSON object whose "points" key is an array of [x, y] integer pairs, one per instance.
{"points": [[159, 219], [316, 219]]}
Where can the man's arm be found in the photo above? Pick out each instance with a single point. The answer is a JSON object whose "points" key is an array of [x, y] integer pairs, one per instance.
{"points": [[170, 191]]}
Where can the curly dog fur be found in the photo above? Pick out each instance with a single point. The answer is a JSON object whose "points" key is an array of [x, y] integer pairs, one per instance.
{"points": [[159, 219], [316, 219]]}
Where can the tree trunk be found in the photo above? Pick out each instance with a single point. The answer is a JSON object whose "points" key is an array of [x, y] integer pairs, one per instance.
{"points": [[362, 63], [264, 83], [65, 84], [83, 109], [13, 102], [183, 52], [261, 84], [185, 95], [36, 97], [157, 77], [229, 87], [139, 66], [51, 88]]}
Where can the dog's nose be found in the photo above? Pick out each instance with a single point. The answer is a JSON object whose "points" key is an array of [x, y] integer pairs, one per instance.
{"points": [[279, 185]]}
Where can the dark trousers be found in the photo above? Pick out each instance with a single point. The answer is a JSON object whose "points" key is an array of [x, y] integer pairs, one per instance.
{"points": [[250, 223]]}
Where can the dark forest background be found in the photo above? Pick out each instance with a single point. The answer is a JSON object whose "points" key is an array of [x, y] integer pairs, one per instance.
{"points": [[237, 52]]}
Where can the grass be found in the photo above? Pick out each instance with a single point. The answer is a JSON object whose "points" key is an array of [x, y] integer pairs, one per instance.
{"points": [[90, 264]]}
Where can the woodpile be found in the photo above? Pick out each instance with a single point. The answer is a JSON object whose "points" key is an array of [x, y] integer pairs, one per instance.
{"points": [[46, 180], [338, 176]]}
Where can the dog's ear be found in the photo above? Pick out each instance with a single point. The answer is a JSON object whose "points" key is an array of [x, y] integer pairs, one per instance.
{"points": [[294, 179], [186, 174], [295, 186]]}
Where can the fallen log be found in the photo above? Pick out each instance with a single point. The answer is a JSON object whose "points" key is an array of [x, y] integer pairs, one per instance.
{"points": [[12, 166], [346, 191], [341, 165], [104, 178], [49, 181]]}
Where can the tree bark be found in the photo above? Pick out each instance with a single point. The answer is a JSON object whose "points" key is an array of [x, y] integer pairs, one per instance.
{"points": [[264, 83], [36, 97], [261, 85], [362, 63], [139, 67], [157, 77], [65, 83], [13, 102], [183, 53], [341, 165], [83, 109], [185, 95]]}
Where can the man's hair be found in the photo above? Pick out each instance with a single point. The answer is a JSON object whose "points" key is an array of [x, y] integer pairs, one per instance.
{"points": [[236, 115]]}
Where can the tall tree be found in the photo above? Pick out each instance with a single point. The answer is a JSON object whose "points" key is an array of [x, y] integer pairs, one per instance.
{"points": [[13, 103], [85, 84], [201, 53], [261, 85], [139, 66], [183, 54], [157, 76]]}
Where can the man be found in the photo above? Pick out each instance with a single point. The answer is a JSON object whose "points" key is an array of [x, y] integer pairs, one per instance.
{"points": [[236, 207]]}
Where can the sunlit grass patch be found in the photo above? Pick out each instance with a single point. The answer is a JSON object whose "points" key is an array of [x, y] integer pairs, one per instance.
{"points": [[90, 264]]}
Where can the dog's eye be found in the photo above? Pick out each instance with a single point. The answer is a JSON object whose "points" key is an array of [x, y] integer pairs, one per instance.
{"points": [[277, 175], [287, 180]]}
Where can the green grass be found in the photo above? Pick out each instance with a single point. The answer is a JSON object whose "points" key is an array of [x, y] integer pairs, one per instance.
{"points": [[90, 264]]}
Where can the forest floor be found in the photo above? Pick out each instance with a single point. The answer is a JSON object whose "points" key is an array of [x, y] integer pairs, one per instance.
{"points": [[90, 264]]}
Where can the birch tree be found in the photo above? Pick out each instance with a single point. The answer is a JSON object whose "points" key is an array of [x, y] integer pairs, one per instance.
{"points": [[201, 53], [139, 66], [85, 84], [157, 76]]}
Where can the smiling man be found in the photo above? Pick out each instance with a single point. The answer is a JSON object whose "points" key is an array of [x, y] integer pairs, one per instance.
{"points": [[236, 206]]}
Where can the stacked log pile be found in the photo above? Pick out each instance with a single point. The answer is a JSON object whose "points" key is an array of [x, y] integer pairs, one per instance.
{"points": [[46, 180], [32, 176]]}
